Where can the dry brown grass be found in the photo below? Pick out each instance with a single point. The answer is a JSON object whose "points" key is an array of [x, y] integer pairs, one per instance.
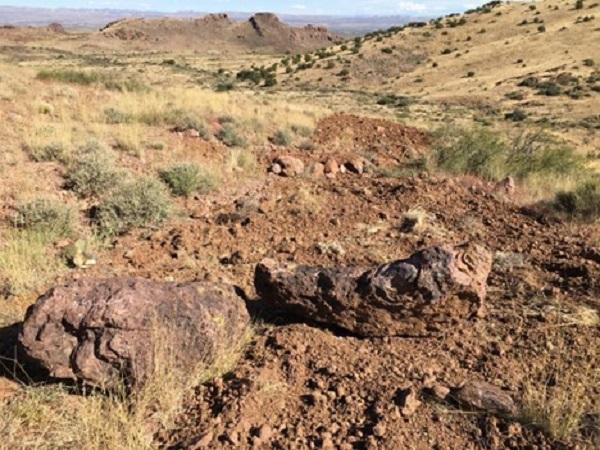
{"points": [[560, 396]]}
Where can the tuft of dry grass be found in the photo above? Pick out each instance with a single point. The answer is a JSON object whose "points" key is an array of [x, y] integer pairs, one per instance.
{"points": [[26, 262], [559, 396]]}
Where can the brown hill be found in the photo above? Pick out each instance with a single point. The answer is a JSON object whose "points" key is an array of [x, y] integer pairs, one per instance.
{"points": [[540, 57], [215, 31]]}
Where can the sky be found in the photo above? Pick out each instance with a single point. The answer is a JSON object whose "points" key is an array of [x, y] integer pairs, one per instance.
{"points": [[335, 7]]}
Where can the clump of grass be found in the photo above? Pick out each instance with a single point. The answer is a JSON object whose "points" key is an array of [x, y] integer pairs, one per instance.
{"points": [[46, 216], [282, 138], [242, 160], [114, 116], [25, 261], [582, 202], [91, 171], [71, 76], [229, 136], [88, 78], [53, 151], [487, 154], [133, 204], [187, 178]]}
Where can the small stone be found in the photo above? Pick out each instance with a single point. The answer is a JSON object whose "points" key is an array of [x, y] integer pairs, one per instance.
{"points": [[331, 168], [409, 401], [440, 391], [486, 397], [276, 169], [379, 429]]}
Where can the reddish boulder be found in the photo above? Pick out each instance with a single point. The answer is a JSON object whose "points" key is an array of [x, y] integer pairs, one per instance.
{"points": [[427, 293], [290, 166], [103, 331]]}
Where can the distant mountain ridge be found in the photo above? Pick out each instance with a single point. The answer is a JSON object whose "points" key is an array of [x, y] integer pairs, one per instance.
{"points": [[98, 18]]}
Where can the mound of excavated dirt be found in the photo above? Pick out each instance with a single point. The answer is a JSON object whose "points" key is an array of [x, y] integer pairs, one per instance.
{"points": [[379, 138], [307, 386], [218, 31]]}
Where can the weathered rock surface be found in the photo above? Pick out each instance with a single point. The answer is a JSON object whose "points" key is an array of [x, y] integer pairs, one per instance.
{"points": [[100, 331], [424, 294], [290, 166], [486, 397]]}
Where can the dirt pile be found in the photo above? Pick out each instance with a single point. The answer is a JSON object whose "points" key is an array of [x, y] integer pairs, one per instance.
{"points": [[217, 31], [383, 140], [301, 386]]}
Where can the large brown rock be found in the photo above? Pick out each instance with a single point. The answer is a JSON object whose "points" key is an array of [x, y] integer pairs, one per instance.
{"points": [[424, 294], [102, 331]]}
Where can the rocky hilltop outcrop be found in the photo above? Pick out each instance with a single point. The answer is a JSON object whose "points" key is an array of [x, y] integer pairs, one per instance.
{"points": [[261, 31]]}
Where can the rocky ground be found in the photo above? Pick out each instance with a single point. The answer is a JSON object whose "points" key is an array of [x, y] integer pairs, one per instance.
{"points": [[306, 381]]}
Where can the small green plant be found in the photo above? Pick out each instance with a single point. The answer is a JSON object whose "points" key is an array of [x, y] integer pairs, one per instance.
{"points": [[91, 171], [282, 138], [187, 178], [139, 203], [518, 115], [47, 216], [549, 88], [228, 135], [579, 4]]}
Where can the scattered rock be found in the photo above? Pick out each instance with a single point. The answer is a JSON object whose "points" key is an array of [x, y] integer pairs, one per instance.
{"points": [[486, 397], [418, 296], [276, 169], [408, 400], [290, 166], [331, 168], [102, 331]]}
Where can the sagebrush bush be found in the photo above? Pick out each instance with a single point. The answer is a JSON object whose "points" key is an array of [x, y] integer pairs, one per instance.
{"points": [[187, 178], [582, 202], [91, 171], [53, 151], [139, 203], [487, 154], [47, 216], [282, 138], [229, 136]]}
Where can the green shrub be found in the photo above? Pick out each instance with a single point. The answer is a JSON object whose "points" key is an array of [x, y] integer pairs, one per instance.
{"points": [[549, 88], [188, 178], [139, 203], [229, 136], [46, 216], [487, 154], [518, 115], [54, 151], [582, 202], [91, 171], [282, 138]]}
